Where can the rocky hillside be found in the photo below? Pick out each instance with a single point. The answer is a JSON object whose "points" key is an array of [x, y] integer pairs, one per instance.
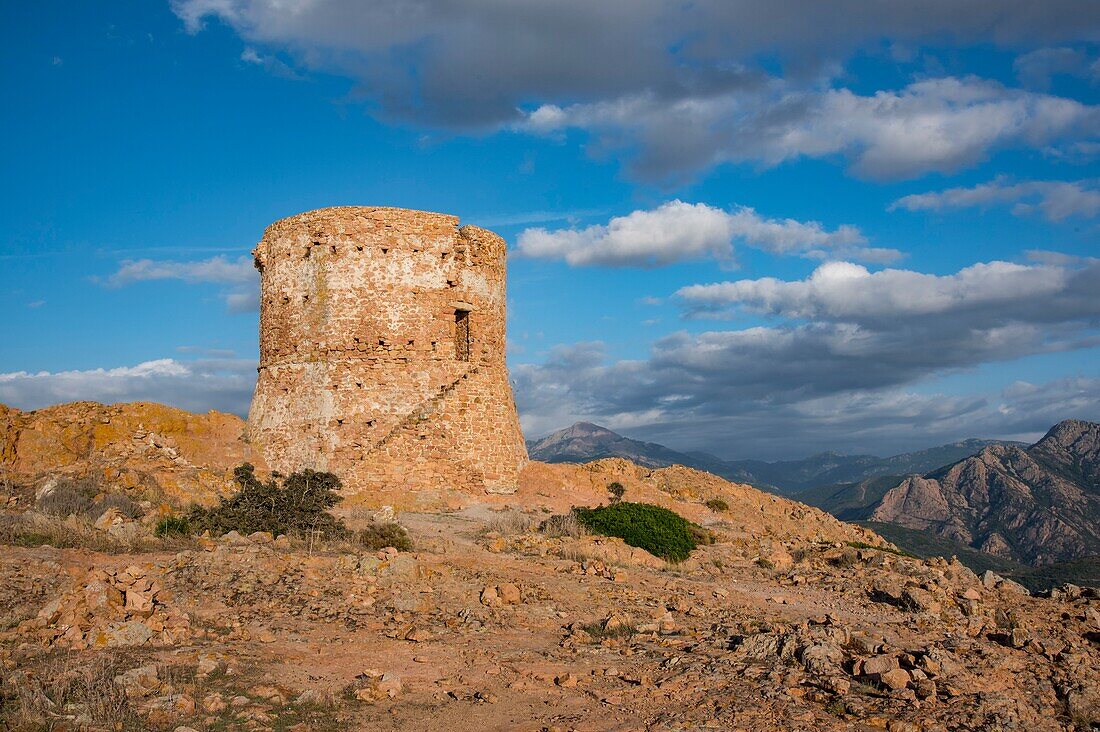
{"points": [[139, 447], [1038, 505], [585, 441], [497, 617]]}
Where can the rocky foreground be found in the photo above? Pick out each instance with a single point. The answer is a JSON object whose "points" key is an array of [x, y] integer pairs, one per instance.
{"points": [[791, 620]]}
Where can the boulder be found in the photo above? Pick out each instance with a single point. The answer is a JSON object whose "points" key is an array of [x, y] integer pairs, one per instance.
{"points": [[879, 665], [128, 633], [509, 594], [110, 517]]}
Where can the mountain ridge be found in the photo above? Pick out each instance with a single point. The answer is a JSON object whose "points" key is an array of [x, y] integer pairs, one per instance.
{"points": [[1037, 504], [585, 441]]}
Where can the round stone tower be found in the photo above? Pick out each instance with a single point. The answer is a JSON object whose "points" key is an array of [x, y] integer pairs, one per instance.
{"points": [[382, 353]]}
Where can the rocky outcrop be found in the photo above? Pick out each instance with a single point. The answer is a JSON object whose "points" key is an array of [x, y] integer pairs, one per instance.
{"points": [[141, 446], [1038, 505]]}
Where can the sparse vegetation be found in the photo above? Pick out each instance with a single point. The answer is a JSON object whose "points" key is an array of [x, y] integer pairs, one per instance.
{"points": [[69, 497], [378, 535], [617, 491], [31, 530], [35, 702], [299, 506], [659, 531], [126, 505], [171, 526], [890, 549], [509, 523], [599, 631], [562, 524], [85, 497], [846, 558], [717, 505]]}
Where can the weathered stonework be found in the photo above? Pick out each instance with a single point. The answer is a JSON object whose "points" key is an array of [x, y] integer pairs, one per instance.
{"points": [[382, 352]]}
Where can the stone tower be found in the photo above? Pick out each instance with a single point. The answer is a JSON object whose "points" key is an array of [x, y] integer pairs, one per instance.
{"points": [[382, 352]]}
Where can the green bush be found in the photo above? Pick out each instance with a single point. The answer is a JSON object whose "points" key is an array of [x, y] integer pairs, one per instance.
{"points": [[381, 535], [717, 505], [172, 526], [659, 531], [299, 506], [616, 490]]}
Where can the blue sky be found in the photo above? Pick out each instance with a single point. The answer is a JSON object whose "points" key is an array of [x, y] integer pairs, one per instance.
{"points": [[756, 229]]}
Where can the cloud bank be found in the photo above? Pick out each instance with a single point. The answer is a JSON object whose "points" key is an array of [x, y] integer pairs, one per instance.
{"points": [[847, 366]]}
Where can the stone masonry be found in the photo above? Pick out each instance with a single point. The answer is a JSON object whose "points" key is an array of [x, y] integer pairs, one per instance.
{"points": [[382, 352]]}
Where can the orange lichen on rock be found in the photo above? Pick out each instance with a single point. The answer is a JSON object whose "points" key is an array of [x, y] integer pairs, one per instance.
{"points": [[140, 446]]}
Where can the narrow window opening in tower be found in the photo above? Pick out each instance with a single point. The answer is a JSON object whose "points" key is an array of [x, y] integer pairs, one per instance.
{"points": [[462, 335]]}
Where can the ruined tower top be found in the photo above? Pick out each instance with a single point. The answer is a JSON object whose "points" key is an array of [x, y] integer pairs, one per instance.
{"points": [[382, 353]]}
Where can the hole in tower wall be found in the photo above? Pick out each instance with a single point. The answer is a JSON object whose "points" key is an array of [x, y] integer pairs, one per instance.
{"points": [[462, 335]]}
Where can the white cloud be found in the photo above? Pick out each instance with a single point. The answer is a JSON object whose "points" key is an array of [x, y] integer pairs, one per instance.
{"points": [[677, 231], [217, 269], [934, 125], [240, 274], [197, 386], [1055, 200], [846, 292]]}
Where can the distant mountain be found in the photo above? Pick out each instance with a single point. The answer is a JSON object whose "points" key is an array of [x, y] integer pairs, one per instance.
{"points": [[584, 442], [851, 501], [830, 468], [1038, 505]]}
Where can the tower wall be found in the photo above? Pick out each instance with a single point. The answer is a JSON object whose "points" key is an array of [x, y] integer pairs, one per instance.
{"points": [[382, 352]]}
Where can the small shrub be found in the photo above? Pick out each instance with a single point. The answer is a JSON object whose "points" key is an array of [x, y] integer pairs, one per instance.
{"points": [[382, 535], [702, 536], [599, 632], [172, 526], [508, 523], [31, 701], [717, 505], [616, 490], [890, 549], [846, 558], [299, 506], [562, 524], [31, 530], [659, 531], [126, 505], [69, 497]]}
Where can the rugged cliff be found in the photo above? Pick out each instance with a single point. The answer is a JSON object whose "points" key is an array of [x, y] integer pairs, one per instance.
{"points": [[1038, 504]]}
